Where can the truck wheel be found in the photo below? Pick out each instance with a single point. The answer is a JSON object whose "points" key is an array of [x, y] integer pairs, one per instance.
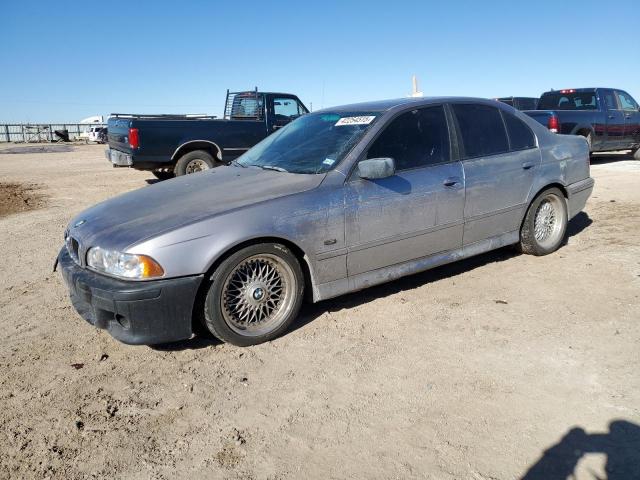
{"points": [[545, 224], [194, 162], [255, 295]]}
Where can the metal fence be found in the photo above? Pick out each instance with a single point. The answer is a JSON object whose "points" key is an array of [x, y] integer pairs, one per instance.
{"points": [[43, 132]]}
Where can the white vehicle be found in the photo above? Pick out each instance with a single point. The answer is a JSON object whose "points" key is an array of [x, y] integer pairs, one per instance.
{"points": [[97, 134]]}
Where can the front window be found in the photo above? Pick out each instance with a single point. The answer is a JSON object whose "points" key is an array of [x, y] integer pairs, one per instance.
{"points": [[314, 143], [626, 102], [568, 101]]}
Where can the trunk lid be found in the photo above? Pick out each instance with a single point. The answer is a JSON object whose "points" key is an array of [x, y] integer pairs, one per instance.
{"points": [[118, 133]]}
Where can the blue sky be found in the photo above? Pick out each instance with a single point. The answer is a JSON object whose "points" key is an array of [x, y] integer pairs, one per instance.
{"points": [[63, 61]]}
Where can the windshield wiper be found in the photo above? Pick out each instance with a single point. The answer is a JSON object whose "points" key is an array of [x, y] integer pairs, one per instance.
{"points": [[271, 167], [235, 163]]}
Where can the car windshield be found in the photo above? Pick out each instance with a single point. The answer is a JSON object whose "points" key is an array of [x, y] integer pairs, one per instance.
{"points": [[568, 101], [314, 143]]}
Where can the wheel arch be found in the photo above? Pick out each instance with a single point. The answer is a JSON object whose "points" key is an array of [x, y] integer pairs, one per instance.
{"points": [[298, 252], [192, 145], [537, 193], [584, 130]]}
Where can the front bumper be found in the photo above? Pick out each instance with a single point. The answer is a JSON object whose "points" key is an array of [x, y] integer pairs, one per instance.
{"points": [[137, 313]]}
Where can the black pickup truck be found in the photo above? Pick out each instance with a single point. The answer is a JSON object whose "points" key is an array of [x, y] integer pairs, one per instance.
{"points": [[608, 118], [169, 145], [520, 103]]}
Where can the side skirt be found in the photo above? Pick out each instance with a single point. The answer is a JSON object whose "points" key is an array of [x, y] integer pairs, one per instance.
{"points": [[393, 272]]}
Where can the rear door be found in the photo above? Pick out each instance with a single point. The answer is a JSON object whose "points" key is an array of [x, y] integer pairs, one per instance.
{"points": [[614, 127], [631, 119], [416, 212], [499, 169]]}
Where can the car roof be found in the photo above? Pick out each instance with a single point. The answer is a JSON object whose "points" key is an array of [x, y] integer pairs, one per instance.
{"points": [[386, 105]]}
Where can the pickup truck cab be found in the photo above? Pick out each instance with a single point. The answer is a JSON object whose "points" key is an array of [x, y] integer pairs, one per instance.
{"points": [[608, 118], [520, 103], [169, 145]]}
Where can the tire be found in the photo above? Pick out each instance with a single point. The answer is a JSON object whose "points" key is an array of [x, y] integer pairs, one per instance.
{"points": [[636, 154], [547, 212], [193, 162], [255, 294], [163, 175]]}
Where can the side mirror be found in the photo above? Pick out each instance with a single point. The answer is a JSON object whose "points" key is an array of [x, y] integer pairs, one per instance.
{"points": [[375, 168]]}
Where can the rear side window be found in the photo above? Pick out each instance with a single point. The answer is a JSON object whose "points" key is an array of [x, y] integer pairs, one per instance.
{"points": [[418, 138], [520, 135], [481, 128]]}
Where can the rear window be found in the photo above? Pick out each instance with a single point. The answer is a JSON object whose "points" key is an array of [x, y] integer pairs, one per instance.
{"points": [[482, 130], [249, 106], [568, 101]]}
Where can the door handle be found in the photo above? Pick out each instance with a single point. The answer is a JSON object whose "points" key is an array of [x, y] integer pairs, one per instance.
{"points": [[611, 117], [528, 165], [450, 182], [628, 115]]}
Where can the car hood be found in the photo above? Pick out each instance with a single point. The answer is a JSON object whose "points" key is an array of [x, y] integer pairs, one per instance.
{"points": [[135, 216]]}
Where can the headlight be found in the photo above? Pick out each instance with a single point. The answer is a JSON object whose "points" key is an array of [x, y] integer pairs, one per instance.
{"points": [[125, 265]]}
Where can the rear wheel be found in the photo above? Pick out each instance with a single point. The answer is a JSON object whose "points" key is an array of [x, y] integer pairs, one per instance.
{"points": [[193, 162], [545, 224], [255, 295]]}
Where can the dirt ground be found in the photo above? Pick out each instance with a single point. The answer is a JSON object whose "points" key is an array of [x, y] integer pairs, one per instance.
{"points": [[469, 371]]}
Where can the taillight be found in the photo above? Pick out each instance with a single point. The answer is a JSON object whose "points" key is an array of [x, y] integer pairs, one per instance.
{"points": [[553, 124], [134, 138]]}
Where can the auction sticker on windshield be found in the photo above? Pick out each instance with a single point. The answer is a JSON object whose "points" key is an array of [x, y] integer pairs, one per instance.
{"points": [[366, 120]]}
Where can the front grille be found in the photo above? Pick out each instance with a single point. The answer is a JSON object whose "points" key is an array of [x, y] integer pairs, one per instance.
{"points": [[72, 247]]}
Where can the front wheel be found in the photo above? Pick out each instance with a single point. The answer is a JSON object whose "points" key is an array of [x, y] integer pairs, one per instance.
{"points": [[545, 224], [194, 162], [255, 295]]}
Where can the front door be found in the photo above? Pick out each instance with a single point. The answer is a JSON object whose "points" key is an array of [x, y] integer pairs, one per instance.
{"points": [[500, 163], [614, 135], [416, 212], [631, 119]]}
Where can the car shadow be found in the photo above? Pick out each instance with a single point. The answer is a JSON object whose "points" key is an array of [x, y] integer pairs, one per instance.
{"points": [[621, 445], [312, 311], [577, 224], [199, 341]]}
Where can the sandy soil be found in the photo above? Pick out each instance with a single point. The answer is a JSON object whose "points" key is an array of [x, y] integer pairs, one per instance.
{"points": [[469, 371]]}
